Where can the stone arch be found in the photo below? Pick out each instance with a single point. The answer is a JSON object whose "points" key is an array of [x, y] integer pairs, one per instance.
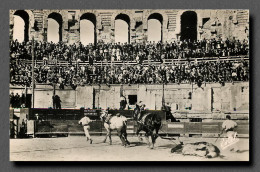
{"points": [[148, 13], [157, 17], [46, 13], [82, 12], [164, 22], [125, 18], [177, 31], [63, 14], [29, 12], [57, 17], [30, 21], [91, 17], [128, 13]]}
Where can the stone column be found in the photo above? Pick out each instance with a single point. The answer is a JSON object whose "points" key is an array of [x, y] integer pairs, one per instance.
{"points": [[65, 27], [11, 24]]}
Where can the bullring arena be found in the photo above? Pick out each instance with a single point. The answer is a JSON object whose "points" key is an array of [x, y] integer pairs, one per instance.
{"points": [[190, 67]]}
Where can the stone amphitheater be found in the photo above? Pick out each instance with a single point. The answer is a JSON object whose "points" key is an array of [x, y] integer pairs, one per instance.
{"points": [[202, 23]]}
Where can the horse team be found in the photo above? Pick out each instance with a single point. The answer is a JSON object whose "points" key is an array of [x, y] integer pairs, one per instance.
{"points": [[151, 123]]}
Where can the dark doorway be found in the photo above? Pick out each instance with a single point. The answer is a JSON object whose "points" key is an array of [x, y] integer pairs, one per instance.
{"points": [[189, 26], [132, 99], [28, 101]]}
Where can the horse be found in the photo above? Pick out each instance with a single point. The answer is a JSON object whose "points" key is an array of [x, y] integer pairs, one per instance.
{"points": [[150, 124], [118, 123]]}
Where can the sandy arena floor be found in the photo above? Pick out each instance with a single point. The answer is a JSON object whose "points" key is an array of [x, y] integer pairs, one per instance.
{"points": [[76, 148]]}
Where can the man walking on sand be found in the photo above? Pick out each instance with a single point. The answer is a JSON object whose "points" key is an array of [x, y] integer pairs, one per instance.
{"points": [[85, 121], [230, 127]]}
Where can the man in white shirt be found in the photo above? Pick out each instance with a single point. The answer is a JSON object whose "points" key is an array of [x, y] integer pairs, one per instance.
{"points": [[85, 123], [120, 120], [230, 126], [120, 123]]}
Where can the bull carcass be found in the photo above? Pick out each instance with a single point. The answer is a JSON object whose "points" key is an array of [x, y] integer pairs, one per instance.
{"points": [[202, 149]]}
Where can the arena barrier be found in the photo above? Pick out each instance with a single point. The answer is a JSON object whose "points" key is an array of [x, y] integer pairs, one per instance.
{"points": [[207, 129], [71, 127], [65, 122]]}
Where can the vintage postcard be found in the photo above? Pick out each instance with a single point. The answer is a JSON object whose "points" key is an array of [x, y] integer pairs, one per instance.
{"points": [[129, 85]]}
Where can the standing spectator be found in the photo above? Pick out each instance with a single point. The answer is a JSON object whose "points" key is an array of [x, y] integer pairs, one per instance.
{"points": [[58, 102], [122, 102], [17, 100], [12, 100]]}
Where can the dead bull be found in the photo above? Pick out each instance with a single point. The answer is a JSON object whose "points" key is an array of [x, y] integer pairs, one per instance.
{"points": [[202, 149]]}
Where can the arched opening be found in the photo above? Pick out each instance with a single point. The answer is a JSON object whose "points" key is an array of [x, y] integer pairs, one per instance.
{"points": [[122, 29], [155, 21], [21, 26], [189, 26], [54, 31], [88, 29]]}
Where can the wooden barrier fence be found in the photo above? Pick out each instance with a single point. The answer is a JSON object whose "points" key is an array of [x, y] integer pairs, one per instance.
{"points": [[65, 121], [70, 127]]}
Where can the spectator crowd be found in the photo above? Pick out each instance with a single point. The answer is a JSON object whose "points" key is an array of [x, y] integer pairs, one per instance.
{"points": [[90, 73], [152, 51], [80, 75]]}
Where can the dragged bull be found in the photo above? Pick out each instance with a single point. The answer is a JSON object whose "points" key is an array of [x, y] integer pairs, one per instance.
{"points": [[202, 149]]}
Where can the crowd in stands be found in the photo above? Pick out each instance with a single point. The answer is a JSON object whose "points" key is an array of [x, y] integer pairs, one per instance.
{"points": [[152, 51], [75, 75], [79, 75]]}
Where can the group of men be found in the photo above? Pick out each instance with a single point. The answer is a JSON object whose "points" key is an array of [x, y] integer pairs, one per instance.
{"points": [[229, 126], [85, 121], [17, 101]]}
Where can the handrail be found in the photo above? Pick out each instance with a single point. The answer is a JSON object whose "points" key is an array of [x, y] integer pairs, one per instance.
{"points": [[145, 62]]}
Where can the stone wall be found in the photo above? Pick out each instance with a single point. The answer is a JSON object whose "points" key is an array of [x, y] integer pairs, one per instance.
{"points": [[210, 24], [183, 97]]}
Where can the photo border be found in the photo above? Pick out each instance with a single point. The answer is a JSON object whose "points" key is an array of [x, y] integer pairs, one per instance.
{"points": [[123, 4]]}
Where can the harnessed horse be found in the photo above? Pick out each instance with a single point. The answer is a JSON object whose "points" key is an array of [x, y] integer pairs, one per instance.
{"points": [[150, 123], [117, 123]]}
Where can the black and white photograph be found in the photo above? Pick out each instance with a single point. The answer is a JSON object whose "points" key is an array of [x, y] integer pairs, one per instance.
{"points": [[129, 85]]}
